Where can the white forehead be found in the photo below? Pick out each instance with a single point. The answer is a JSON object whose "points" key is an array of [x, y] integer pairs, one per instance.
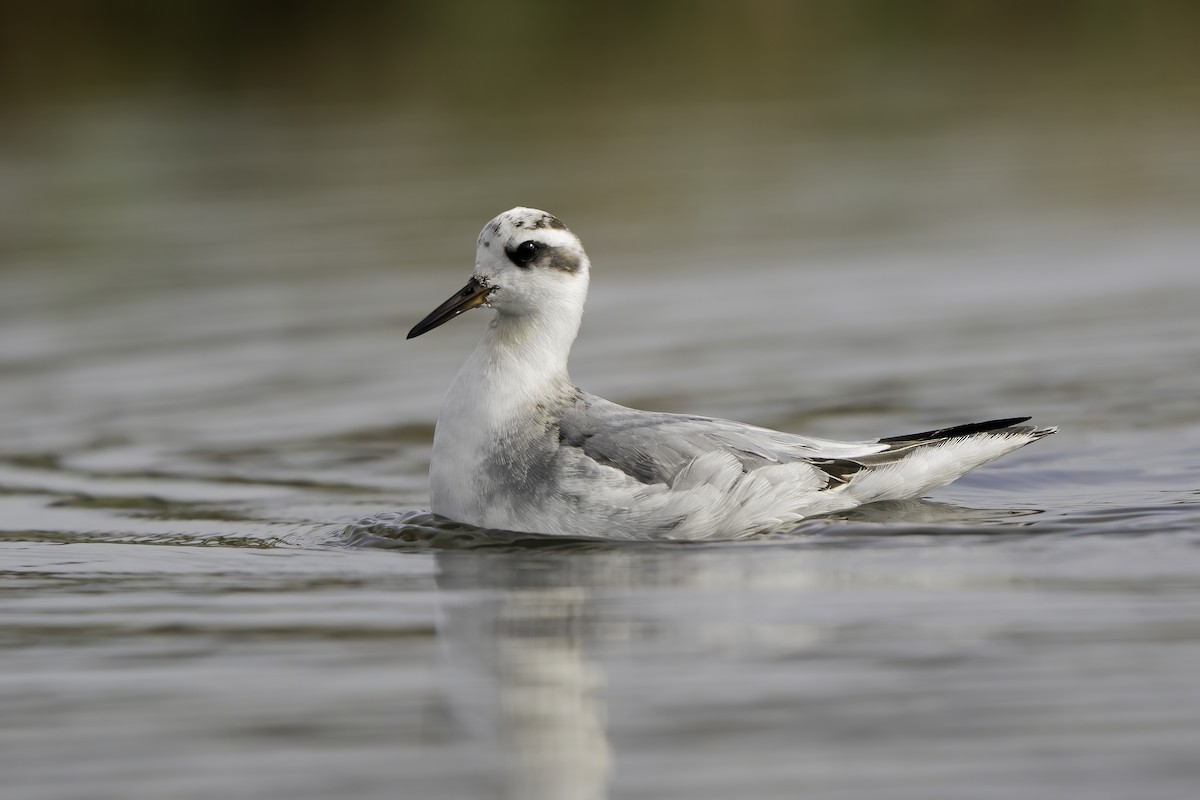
{"points": [[518, 224]]}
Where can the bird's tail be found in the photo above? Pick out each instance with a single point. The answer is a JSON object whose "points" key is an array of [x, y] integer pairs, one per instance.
{"points": [[916, 463]]}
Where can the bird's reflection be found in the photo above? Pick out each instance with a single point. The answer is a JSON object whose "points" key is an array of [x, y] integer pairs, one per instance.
{"points": [[517, 639], [525, 620]]}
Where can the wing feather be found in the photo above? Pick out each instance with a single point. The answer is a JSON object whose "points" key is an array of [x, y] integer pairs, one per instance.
{"points": [[655, 447]]}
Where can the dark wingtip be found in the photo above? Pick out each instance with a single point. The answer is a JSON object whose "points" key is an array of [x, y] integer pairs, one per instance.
{"points": [[838, 471], [957, 430]]}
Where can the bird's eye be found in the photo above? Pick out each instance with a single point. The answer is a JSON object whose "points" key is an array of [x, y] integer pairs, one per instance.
{"points": [[525, 252]]}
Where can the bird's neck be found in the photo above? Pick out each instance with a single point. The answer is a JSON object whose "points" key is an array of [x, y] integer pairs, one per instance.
{"points": [[536, 347], [520, 361], [503, 399]]}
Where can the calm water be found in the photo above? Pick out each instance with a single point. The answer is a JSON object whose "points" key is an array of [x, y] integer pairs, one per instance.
{"points": [[216, 577]]}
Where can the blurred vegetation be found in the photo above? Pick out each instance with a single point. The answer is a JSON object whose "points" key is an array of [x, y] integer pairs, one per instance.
{"points": [[542, 52]]}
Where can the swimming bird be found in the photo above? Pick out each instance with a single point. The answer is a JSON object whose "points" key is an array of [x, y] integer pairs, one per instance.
{"points": [[519, 447]]}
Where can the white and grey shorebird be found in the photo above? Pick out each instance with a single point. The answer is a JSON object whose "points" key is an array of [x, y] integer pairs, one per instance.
{"points": [[519, 447]]}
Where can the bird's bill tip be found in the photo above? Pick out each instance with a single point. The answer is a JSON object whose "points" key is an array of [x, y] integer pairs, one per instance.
{"points": [[473, 295]]}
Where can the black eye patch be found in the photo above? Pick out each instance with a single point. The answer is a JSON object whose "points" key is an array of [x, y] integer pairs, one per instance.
{"points": [[524, 254]]}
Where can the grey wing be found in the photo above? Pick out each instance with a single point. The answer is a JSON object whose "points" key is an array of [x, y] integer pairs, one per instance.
{"points": [[653, 447]]}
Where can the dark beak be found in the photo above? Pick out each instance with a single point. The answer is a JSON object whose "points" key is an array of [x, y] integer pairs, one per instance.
{"points": [[473, 294]]}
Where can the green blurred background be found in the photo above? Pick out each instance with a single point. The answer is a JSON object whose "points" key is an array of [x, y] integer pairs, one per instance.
{"points": [[749, 125], [538, 53]]}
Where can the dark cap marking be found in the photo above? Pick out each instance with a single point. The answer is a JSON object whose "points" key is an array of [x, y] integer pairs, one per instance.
{"points": [[548, 221]]}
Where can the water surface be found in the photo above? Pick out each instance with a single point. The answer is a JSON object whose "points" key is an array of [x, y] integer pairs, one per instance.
{"points": [[216, 570]]}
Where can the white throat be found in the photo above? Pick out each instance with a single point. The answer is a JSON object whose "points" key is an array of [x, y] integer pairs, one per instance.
{"points": [[517, 371], [530, 347]]}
